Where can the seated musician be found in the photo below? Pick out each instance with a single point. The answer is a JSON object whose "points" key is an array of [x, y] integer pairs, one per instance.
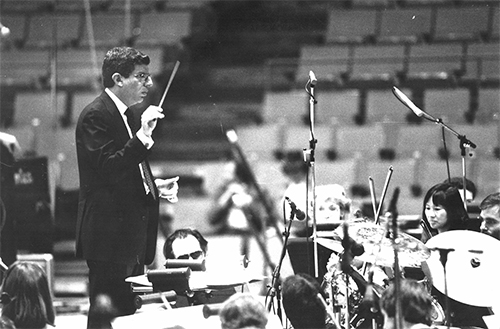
{"points": [[301, 304], [443, 211], [243, 310], [189, 244], [415, 302], [490, 215]]}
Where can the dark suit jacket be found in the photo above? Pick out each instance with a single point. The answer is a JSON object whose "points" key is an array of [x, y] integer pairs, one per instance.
{"points": [[116, 221]]}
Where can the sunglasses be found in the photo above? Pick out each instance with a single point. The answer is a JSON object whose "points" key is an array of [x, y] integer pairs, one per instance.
{"points": [[193, 255]]}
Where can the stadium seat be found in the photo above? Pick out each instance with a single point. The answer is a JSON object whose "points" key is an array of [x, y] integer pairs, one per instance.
{"points": [[449, 104], [344, 25], [402, 24]]}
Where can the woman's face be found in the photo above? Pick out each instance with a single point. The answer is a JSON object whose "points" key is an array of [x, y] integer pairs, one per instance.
{"points": [[436, 215]]}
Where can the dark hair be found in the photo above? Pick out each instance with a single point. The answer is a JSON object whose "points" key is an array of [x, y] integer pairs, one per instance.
{"points": [[182, 234], [301, 303], [490, 201], [458, 182], [243, 310], [121, 60], [448, 197], [29, 302], [415, 301]]}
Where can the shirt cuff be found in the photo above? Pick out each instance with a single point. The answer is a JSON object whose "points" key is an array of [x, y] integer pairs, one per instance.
{"points": [[147, 141]]}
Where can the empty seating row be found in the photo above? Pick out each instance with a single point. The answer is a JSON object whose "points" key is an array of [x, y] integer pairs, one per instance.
{"points": [[70, 66], [468, 61], [383, 140], [95, 5], [379, 105], [108, 28], [467, 21]]}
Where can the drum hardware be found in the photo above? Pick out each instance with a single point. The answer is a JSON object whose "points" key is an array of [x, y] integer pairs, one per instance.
{"points": [[474, 260]]}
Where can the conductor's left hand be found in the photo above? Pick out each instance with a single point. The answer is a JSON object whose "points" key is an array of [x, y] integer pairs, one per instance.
{"points": [[168, 188]]}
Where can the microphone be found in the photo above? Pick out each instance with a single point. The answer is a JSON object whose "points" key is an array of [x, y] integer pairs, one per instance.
{"points": [[312, 79], [355, 248], [345, 263], [299, 214], [406, 101]]}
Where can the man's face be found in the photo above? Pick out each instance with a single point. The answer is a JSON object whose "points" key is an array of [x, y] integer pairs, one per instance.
{"points": [[136, 86], [490, 221], [187, 248]]}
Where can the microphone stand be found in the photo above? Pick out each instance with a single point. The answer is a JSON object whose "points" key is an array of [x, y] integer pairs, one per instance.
{"points": [[464, 142], [275, 290], [309, 158]]}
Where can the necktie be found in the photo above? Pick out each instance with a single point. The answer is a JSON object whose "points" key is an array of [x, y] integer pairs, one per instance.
{"points": [[148, 176]]}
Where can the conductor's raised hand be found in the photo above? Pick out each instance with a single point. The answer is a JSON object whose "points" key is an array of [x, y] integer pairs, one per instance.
{"points": [[149, 119]]}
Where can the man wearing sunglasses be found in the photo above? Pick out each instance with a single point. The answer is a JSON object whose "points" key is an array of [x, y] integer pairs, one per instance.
{"points": [[186, 244]]}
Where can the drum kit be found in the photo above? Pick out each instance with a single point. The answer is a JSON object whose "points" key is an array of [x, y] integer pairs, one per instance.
{"points": [[460, 264]]}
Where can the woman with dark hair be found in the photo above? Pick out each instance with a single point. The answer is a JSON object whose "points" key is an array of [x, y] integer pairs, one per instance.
{"points": [[26, 297], [443, 210]]}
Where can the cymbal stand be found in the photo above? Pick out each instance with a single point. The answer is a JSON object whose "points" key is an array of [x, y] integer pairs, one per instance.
{"points": [[275, 289], [443, 258], [393, 216], [309, 158]]}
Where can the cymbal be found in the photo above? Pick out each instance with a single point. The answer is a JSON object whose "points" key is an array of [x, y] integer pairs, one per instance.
{"points": [[472, 267], [333, 245], [379, 249]]}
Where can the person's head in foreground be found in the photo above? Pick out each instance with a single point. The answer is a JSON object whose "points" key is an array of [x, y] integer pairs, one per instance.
{"points": [[243, 310], [301, 303], [490, 215], [186, 244], [26, 297], [415, 301]]}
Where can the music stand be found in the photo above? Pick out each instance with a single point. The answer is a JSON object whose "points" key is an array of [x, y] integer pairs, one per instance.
{"points": [[301, 253]]}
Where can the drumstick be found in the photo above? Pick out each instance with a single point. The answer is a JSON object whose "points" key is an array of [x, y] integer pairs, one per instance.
{"points": [[384, 190], [372, 192], [176, 66]]}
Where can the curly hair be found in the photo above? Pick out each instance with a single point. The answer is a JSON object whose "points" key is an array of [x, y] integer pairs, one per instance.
{"points": [[243, 310], [415, 301]]}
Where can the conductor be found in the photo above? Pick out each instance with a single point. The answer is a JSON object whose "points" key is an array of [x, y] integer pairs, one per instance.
{"points": [[119, 201]]}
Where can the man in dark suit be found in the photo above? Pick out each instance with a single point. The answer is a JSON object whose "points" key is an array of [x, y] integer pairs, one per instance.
{"points": [[119, 202]]}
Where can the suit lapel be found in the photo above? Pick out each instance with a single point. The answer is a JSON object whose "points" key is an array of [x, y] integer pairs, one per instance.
{"points": [[117, 122]]}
